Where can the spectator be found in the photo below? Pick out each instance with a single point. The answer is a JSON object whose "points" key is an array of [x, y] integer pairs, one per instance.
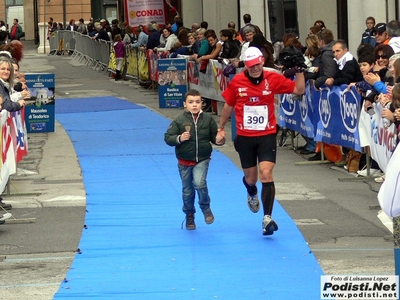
{"points": [[247, 22], [60, 26], [154, 36], [204, 46], [174, 26], [101, 32], [171, 39], [204, 25], [16, 31], [320, 23], [328, 66], [249, 32], [81, 26], [182, 33], [115, 29], [72, 26], [382, 54], [119, 49], [349, 70], [194, 43], [229, 47], [178, 49], [315, 29], [215, 47], [368, 36], [91, 28], [129, 37], [195, 26], [266, 49], [381, 35], [393, 30], [142, 39]]}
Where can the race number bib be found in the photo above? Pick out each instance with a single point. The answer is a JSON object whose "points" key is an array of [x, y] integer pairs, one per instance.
{"points": [[255, 117]]}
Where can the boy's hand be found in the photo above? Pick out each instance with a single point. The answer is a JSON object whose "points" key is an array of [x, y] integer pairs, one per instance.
{"points": [[185, 136]]}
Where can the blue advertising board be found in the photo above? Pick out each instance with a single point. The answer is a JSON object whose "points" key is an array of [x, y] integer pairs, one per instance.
{"points": [[40, 108], [172, 82]]}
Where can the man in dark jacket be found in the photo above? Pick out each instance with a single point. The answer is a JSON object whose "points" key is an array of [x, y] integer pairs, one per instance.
{"points": [[349, 70], [327, 65]]}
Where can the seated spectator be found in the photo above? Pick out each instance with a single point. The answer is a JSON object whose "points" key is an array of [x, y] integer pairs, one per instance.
{"points": [[171, 39], [229, 47]]}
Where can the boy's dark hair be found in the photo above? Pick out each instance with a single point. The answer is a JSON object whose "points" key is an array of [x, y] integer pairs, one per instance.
{"points": [[365, 48], [227, 32], [325, 35], [191, 92], [204, 25], [367, 57]]}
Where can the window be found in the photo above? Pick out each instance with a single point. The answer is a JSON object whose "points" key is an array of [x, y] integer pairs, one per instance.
{"points": [[282, 18]]}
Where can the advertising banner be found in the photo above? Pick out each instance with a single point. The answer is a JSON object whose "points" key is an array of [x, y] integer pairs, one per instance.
{"points": [[142, 12], [172, 81], [40, 108]]}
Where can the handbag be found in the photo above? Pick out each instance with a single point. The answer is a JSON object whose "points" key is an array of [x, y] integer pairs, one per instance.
{"points": [[229, 70], [353, 161]]}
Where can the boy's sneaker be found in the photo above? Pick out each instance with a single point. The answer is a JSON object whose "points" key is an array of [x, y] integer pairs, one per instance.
{"points": [[253, 203], [208, 216], [269, 225], [5, 206], [190, 224], [380, 179]]}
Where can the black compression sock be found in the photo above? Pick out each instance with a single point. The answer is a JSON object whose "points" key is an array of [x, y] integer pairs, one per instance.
{"points": [[268, 197]]}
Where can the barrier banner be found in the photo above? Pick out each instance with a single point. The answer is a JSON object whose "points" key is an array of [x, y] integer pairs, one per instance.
{"points": [[296, 112], [39, 109], [210, 83], [338, 110], [381, 140], [143, 12], [172, 80]]}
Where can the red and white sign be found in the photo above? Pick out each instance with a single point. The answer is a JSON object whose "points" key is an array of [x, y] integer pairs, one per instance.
{"points": [[142, 12]]}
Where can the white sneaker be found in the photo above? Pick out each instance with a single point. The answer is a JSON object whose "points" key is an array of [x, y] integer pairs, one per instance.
{"points": [[269, 225], [372, 173], [253, 203], [380, 179], [5, 217]]}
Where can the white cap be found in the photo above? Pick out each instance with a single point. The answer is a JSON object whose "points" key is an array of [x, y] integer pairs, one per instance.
{"points": [[252, 56]]}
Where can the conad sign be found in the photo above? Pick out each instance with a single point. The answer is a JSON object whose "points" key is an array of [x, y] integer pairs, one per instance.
{"points": [[144, 12]]}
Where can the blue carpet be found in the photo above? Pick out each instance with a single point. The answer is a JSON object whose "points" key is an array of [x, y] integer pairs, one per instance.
{"points": [[134, 247]]}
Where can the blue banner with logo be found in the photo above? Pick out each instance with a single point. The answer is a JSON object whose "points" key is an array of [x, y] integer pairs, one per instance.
{"points": [[297, 113], [172, 82], [40, 108], [338, 110]]}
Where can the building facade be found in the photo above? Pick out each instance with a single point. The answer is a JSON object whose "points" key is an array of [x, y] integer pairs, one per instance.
{"points": [[346, 18]]}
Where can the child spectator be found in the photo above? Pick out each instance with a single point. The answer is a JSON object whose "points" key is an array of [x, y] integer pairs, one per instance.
{"points": [[191, 133], [119, 50], [178, 49], [312, 52]]}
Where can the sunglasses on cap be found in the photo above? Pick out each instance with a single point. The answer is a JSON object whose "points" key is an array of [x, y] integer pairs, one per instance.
{"points": [[383, 56]]}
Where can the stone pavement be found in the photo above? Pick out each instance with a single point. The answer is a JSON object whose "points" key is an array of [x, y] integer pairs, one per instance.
{"points": [[337, 218]]}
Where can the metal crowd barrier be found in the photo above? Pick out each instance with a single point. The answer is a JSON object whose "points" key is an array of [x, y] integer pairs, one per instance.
{"points": [[99, 55]]}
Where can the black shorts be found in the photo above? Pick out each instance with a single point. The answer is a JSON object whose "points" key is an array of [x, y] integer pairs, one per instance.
{"points": [[251, 149]]}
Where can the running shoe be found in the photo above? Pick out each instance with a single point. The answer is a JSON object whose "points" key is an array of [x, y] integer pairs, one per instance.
{"points": [[269, 225], [253, 203]]}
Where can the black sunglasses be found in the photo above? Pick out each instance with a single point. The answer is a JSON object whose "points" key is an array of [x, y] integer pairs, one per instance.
{"points": [[383, 56]]}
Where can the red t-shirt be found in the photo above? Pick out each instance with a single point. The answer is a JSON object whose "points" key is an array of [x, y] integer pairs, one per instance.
{"points": [[254, 104]]}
